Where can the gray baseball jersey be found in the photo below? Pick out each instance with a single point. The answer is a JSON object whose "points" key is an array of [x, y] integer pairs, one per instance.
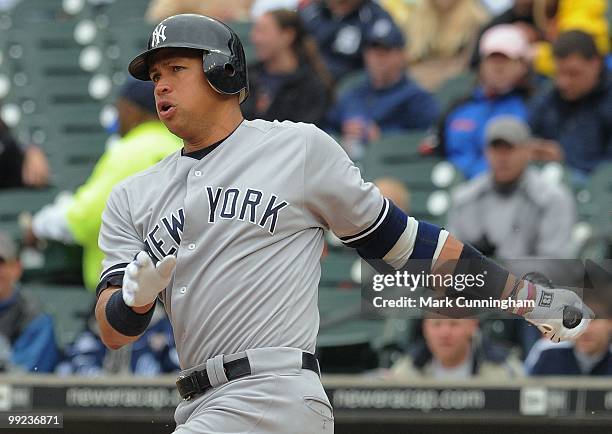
{"points": [[246, 223]]}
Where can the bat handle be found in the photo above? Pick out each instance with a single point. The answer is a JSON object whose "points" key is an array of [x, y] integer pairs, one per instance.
{"points": [[571, 317]]}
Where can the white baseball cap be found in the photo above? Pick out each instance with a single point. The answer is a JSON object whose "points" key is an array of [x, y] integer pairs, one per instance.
{"points": [[506, 39]]}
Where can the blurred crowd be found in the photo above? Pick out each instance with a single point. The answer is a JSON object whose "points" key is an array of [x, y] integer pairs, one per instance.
{"points": [[540, 89]]}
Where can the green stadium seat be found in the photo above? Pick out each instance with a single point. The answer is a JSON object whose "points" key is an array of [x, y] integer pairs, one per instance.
{"points": [[15, 201], [336, 269], [456, 87], [124, 42], [61, 264], [600, 189], [69, 306], [394, 149], [124, 12], [27, 13], [341, 320], [425, 173], [350, 80]]}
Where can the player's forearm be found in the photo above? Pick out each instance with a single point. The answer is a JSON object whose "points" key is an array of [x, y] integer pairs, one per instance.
{"points": [[112, 338], [502, 282], [402, 243]]}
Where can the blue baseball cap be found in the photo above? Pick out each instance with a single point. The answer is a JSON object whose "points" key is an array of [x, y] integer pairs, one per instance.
{"points": [[140, 93], [384, 33]]}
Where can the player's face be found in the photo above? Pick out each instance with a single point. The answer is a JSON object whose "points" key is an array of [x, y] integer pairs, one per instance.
{"points": [[183, 96], [576, 76], [507, 161], [596, 338], [449, 340]]}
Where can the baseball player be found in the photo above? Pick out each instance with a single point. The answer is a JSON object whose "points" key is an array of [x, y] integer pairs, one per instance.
{"points": [[228, 233]]}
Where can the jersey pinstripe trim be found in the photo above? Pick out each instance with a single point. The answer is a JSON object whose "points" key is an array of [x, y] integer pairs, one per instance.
{"points": [[112, 276], [381, 217], [115, 268]]}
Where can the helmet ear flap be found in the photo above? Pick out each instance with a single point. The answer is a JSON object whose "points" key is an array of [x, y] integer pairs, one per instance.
{"points": [[222, 74]]}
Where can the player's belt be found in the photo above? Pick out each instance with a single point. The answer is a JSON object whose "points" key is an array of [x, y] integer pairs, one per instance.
{"points": [[197, 382]]}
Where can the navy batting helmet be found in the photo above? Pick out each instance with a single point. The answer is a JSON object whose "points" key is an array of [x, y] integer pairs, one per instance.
{"points": [[223, 59]]}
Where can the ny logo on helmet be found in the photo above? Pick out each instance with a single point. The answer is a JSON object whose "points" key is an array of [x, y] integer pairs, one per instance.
{"points": [[159, 35]]}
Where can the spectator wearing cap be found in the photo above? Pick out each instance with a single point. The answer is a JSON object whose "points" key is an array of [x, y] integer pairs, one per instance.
{"points": [[502, 88], [510, 211], [339, 28], [387, 100], [27, 336], [521, 14], [573, 120], [144, 142]]}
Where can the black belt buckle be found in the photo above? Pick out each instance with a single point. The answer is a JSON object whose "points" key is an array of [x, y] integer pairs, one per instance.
{"points": [[188, 386]]}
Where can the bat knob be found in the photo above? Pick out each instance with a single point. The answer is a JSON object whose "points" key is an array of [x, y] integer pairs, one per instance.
{"points": [[571, 317]]}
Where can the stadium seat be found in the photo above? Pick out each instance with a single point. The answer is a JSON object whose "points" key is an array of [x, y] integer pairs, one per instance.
{"points": [[69, 306], [27, 13], [456, 87], [345, 340], [394, 149], [336, 269]]}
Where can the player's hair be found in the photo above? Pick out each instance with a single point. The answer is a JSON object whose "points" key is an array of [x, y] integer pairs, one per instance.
{"points": [[304, 46], [575, 42]]}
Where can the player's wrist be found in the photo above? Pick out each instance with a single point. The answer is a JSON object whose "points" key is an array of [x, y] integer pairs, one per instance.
{"points": [[143, 309], [124, 318], [525, 291]]}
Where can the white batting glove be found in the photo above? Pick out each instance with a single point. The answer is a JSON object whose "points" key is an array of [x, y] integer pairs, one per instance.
{"points": [[143, 281], [548, 313]]}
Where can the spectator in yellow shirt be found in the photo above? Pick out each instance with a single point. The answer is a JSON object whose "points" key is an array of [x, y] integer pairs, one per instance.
{"points": [[144, 142]]}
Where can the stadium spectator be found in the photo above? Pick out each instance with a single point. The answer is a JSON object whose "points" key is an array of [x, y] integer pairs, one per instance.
{"points": [[441, 36], [339, 26], [152, 354], [261, 7], [386, 100], [224, 10], [521, 14], [144, 142], [453, 349], [502, 88], [573, 119], [396, 191], [560, 16], [590, 354], [289, 80], [510, 211], [19, 166], [25, 329]]}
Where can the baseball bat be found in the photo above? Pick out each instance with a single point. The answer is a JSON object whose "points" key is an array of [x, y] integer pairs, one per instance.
{"points": [[571, 317]]}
